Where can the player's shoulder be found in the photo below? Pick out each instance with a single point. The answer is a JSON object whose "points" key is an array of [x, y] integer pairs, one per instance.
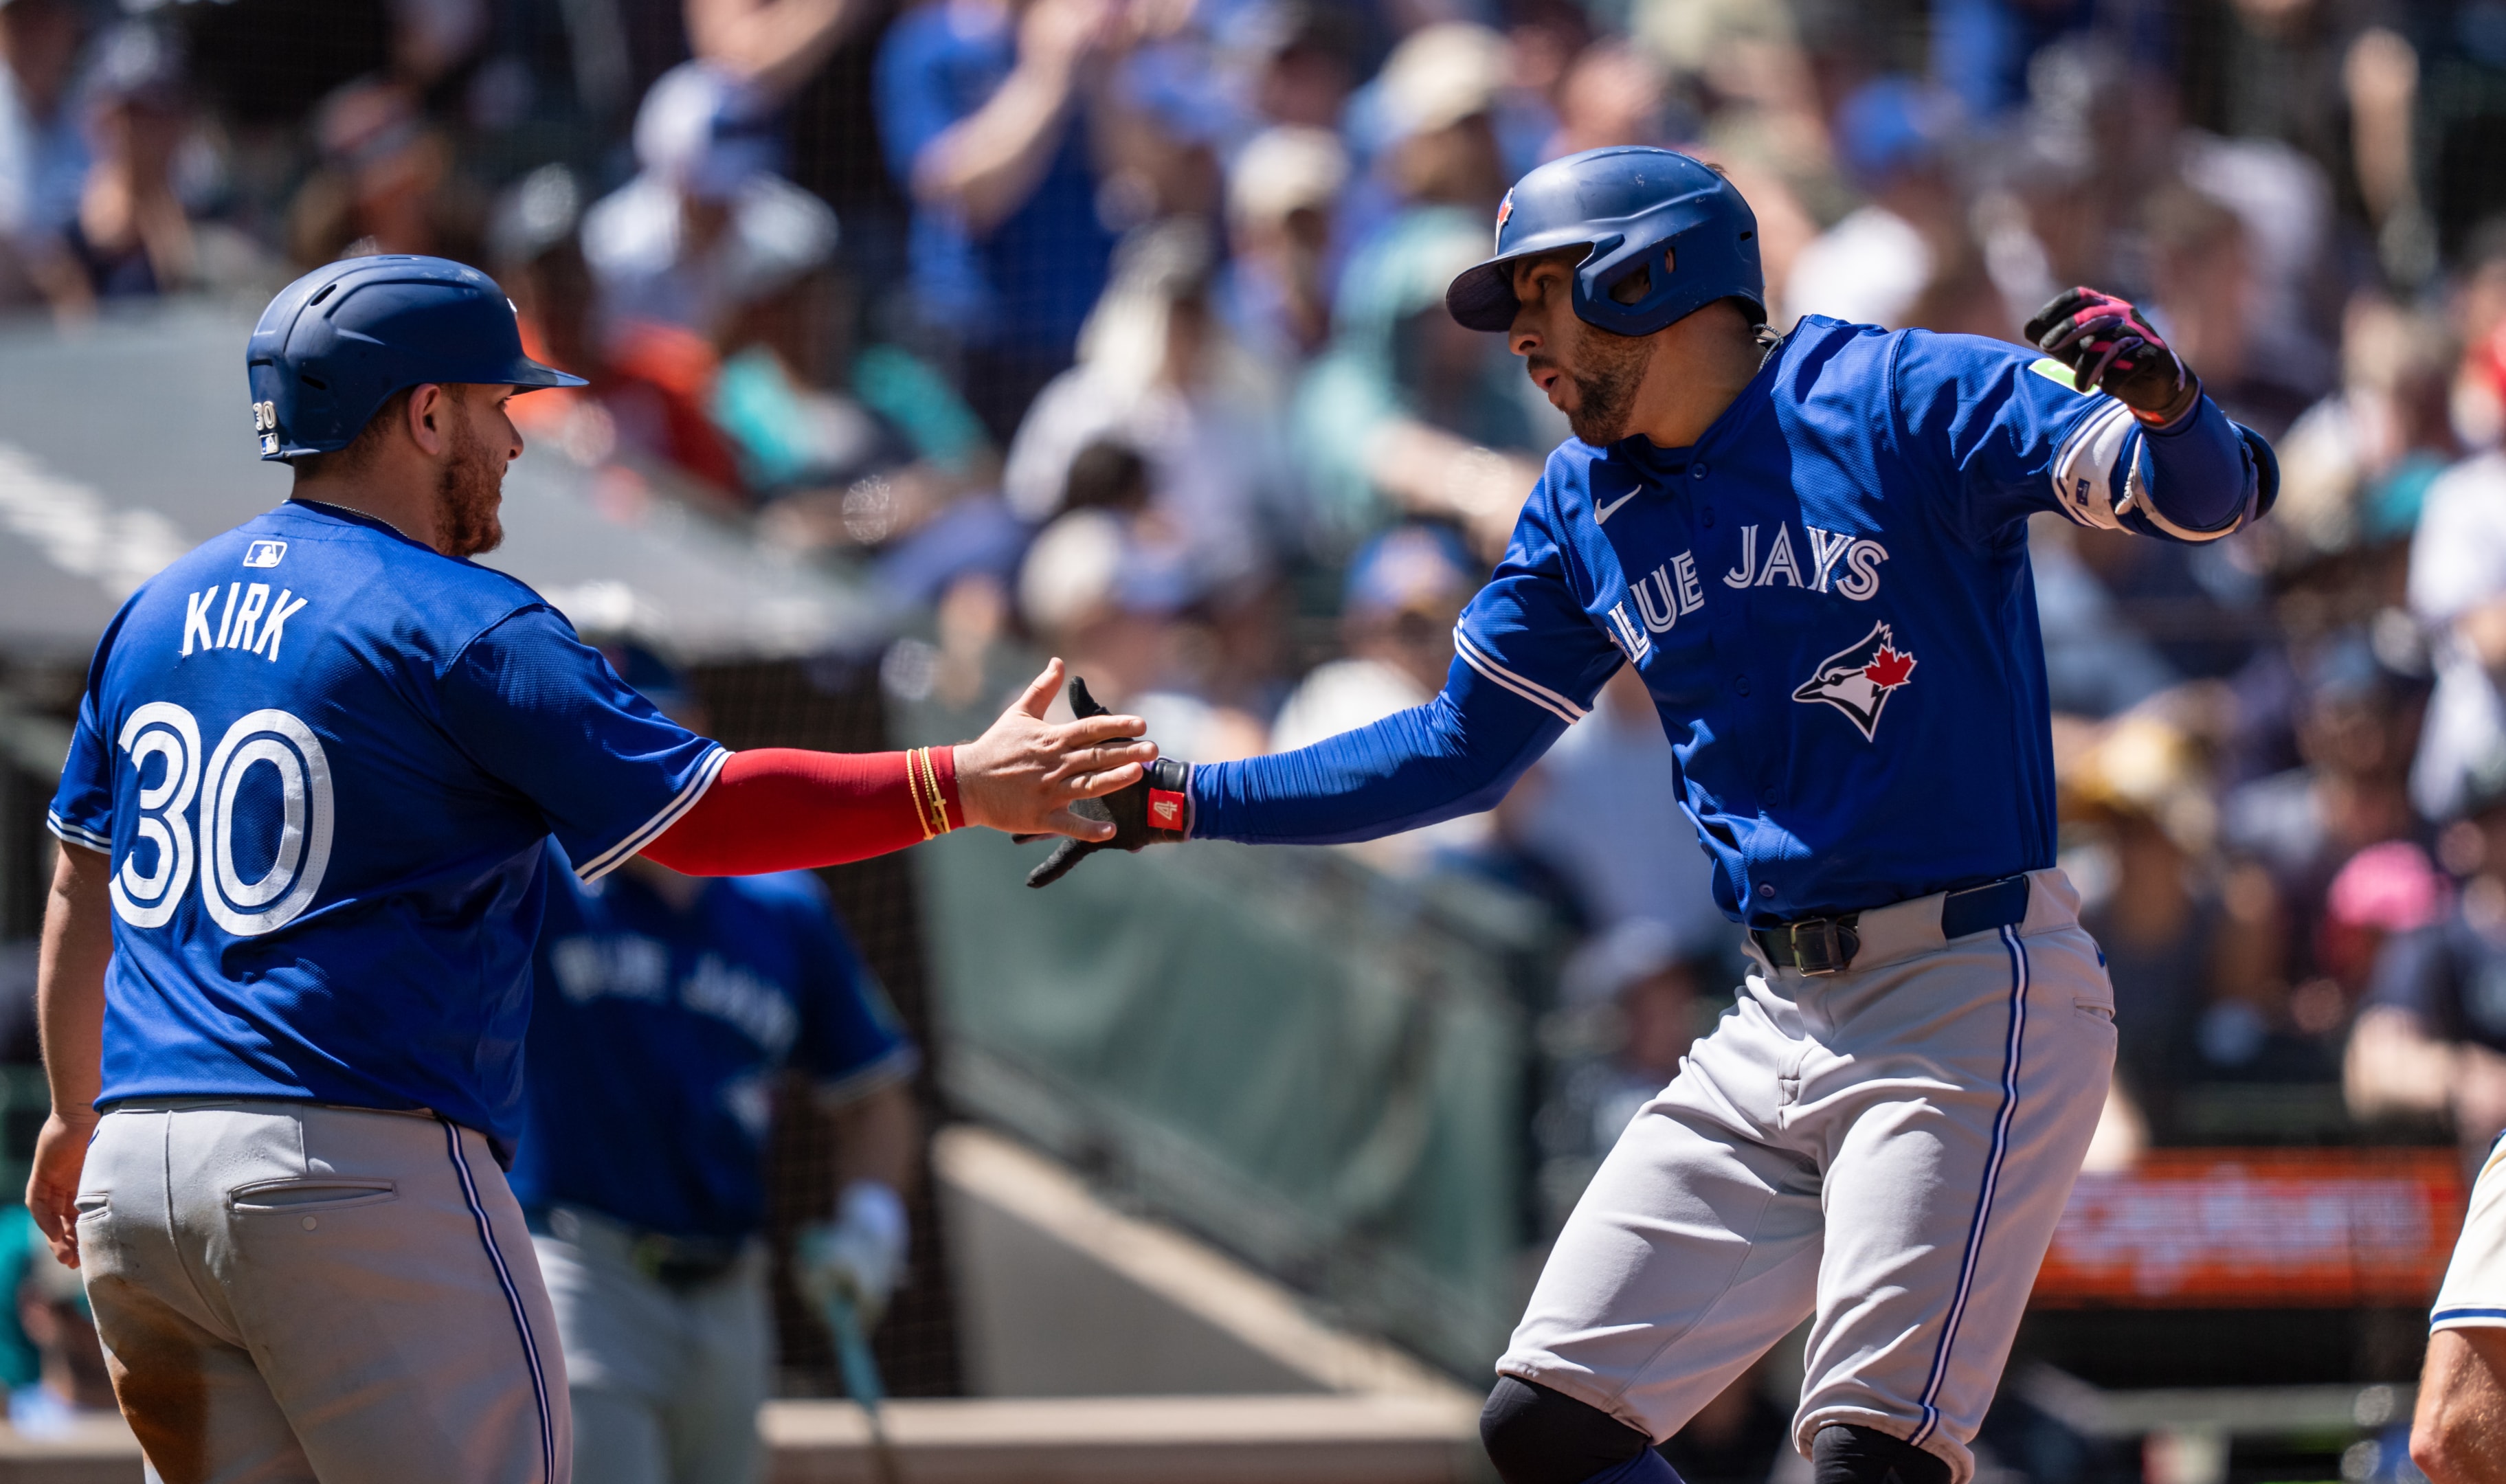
{"points": [[1576, 480], [451, 595], [1823, 354], [337, 572]]}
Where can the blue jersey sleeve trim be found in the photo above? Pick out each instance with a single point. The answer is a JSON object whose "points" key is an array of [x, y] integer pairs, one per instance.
{"points": [[897, 1066], [1540, 695], [75, 835], [652, 828], [2194, 482]]}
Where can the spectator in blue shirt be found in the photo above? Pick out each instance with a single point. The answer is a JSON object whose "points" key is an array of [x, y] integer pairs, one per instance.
{"points": [[981, 107]]}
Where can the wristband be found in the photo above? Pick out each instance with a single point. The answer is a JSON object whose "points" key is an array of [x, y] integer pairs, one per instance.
{"points": [[1171, 796], [874, 1206]]}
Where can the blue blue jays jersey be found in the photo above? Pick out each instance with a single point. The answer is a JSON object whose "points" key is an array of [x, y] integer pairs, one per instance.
{"points": [[1827, 597], [657, 1034], [324, 759]]}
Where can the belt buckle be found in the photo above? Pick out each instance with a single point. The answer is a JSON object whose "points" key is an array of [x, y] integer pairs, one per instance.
{"points": [[1822, 946]]}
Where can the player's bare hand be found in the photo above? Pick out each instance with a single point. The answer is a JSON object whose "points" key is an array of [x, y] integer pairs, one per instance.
{"points": [[51, 1190], [1023, 774]]}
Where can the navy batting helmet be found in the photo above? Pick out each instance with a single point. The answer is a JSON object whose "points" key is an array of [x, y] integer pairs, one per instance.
{"points": [[1638, 210], [335, 345]]}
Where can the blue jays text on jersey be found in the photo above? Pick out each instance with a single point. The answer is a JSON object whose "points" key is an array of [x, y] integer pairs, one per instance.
{"points": [[323, 759], [656, 1033], [1828, 596]]}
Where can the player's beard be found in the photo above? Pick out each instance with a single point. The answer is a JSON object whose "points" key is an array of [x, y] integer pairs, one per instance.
{"points": [[1608, 369], [469, 492]]}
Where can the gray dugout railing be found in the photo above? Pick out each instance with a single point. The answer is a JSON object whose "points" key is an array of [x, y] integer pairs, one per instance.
{"points": [[1316, 1066]]}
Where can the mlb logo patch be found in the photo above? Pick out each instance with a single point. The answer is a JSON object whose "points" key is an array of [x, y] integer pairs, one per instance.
{"points": [[264, 553], [1504, 209]]}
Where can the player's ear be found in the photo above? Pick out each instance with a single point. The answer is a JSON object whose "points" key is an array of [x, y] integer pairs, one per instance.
{"points": [[430, 417]]}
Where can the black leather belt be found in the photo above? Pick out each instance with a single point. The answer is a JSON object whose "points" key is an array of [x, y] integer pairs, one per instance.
{"points": [[1825, 945], [675, 1262]]}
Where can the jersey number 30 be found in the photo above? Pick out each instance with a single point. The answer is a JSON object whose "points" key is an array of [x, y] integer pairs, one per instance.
{"points": [[245, 908]]}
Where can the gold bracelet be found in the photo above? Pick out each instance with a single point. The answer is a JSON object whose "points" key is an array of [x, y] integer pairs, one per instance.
{"points": [[930, 804], [913, 785]]}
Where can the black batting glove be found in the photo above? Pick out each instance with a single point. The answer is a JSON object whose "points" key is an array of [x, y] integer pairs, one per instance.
{"points": [[2111, 345], [1153, 811]]}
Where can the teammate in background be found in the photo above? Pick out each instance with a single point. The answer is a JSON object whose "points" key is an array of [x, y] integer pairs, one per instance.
{"points": [[285, 968], [2430, 1040], [665, 1007], [1813, 550]]}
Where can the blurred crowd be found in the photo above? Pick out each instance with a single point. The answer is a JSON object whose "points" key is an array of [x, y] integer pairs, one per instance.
{"points": [[1115, 326]]}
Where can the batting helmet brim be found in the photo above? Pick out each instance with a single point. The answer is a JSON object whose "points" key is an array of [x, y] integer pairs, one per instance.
{"points": [[530, 376], [1482, 295]]}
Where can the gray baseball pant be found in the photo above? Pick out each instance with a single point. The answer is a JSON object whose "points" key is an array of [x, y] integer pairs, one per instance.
{"points": [[1884, 1150], [667, 1382], [289, 1292]]}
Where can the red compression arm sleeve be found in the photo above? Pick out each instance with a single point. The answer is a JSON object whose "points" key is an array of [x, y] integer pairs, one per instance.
{"points": [[781, 808]]}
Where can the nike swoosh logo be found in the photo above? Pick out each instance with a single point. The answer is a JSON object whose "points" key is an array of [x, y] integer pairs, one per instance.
{"points": [[1604, 513]]}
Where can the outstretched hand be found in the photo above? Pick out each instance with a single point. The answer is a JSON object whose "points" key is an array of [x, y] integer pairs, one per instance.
{"points": [[1023, 774], [2111, 345], [1149, 812]]}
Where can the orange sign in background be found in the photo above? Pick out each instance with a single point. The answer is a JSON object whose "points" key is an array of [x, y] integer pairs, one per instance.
{"points": [[2300, 1228]]}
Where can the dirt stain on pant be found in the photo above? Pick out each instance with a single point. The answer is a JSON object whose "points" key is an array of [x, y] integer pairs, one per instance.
{"points": [[155, 1355]]}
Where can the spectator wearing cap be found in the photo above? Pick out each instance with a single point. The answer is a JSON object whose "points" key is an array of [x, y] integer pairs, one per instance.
{"points": [[1275, 293], [649, 381], [1409, 415], [673, 245], [983, 108], [1092, 592], [1631, 1003], [2432, 1038], [1403, 591], [846, 447], [1158, 372], [1907, 258], [131, 233], [2139, 819], [1427, 127], [1406, 414]]}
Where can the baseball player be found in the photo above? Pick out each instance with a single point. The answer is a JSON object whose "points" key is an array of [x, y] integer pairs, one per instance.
{"points": [[285, 967], [665, 1007], [2458, 1432], [1813, 551]]}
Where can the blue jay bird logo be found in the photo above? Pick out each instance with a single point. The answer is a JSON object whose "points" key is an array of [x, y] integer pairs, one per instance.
{"points": [[1858, 680]]}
